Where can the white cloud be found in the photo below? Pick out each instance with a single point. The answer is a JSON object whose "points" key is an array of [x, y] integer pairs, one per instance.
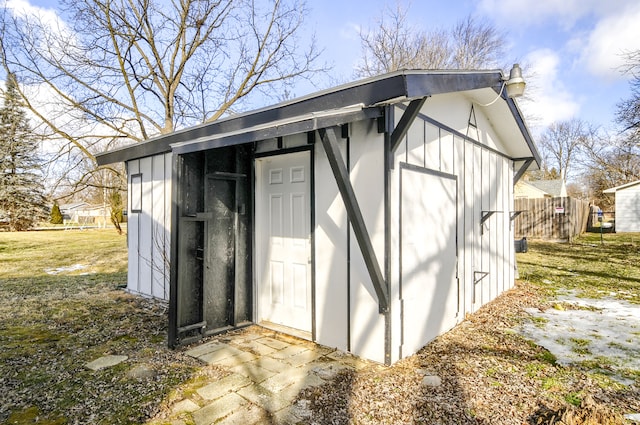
{"points": [[548, 100], [611, 37], [532, 12], [24, 9]]}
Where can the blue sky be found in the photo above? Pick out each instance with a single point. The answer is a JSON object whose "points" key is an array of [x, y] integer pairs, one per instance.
{"points": [[569, 49]]}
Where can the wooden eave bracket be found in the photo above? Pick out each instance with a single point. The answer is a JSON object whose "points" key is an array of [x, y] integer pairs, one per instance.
{"points": [[341, 174], [523, 169], [405, 122], [484, 216], [514, 214]]}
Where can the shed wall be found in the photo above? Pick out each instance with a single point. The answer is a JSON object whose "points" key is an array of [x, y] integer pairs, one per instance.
{"points": [[485, 257], [347, 315], [628, 209], [149, 223], [331, 256]]}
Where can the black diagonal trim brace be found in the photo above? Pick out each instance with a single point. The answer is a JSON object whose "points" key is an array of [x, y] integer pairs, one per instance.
{"points": [[409, 115], [340, 173], [522, 170]]}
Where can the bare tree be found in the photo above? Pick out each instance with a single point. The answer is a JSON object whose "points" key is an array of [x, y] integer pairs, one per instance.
{"points": [[628, 111], [394, 44], [121, 71], [610, 162], [477, 45], [562, 145]]}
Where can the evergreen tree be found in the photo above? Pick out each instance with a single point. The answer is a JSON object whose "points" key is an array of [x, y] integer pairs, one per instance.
{"points": [[22, 201], [56, 214]]}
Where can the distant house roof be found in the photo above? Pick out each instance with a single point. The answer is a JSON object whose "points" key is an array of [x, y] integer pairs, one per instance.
{"points": [[552, 187], [523, 189], [613, 190], [72, 206], [347, 103]]}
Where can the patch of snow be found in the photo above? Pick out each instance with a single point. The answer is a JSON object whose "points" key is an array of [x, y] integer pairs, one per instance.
{"points": [[67, 269], [603, 328], [633, 417]]}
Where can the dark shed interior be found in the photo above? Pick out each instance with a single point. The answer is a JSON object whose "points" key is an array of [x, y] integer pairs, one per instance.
{"points": [[213, 212]]}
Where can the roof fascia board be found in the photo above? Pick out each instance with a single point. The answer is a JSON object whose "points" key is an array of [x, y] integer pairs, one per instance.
{"points": [[393, 87], [369, 92], [420, 85], [621, 187], [517, 115], [307, 123]]}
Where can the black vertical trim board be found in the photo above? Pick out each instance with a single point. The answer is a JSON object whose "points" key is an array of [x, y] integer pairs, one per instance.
{"points": [[312, 230], [389, 160], [126, 173], [173, 268], [348, 151], [152, 259], [254, 245]]}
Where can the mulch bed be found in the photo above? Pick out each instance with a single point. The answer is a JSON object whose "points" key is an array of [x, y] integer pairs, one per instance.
{"points": [[489, 375]]}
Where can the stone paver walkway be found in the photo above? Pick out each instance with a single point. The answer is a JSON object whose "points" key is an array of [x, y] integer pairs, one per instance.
{"points": [[264, 371]]}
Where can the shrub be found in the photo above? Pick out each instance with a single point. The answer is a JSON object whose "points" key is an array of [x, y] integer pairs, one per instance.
{"points": [[56, 215]]}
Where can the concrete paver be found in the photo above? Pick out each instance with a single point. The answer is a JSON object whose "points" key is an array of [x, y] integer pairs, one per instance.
{"points": [[254, 372], [257, 347], [217, 410], [225, 385], [220, 354], [183, 406], [289, 351], [272, 364], [274, 343], [303, 358], [268, 400], [241, 358], [267, 370], [204, 349], [247, 415], [105, 362]]}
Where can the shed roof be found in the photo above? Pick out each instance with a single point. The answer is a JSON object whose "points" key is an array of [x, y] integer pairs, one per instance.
{"points": [[346, 103], [621, 187]]}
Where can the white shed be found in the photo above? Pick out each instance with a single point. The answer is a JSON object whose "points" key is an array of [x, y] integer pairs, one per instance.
{"points": [[627, 201], [370, 217]]}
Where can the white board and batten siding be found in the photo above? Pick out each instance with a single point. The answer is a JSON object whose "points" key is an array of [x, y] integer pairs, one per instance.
{"points": [[628, 208], [440, 185], [149, 223], [346, 304], [459, 179]]}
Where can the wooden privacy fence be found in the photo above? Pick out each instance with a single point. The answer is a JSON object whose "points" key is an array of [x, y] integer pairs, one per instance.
{"points": [[560, 218]]}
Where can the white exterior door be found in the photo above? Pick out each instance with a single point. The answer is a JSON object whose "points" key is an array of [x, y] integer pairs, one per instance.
{"points": [[429, 257], [283, 236]]}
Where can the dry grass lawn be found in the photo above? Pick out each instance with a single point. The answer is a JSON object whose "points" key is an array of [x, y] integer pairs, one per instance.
{"points": [[62, 305]]}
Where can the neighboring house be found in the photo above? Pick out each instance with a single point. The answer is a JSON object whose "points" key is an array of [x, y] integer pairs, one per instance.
{"points": [[84, 213], [627, 202], [537, 189], [370, 217], [68, 211]]}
